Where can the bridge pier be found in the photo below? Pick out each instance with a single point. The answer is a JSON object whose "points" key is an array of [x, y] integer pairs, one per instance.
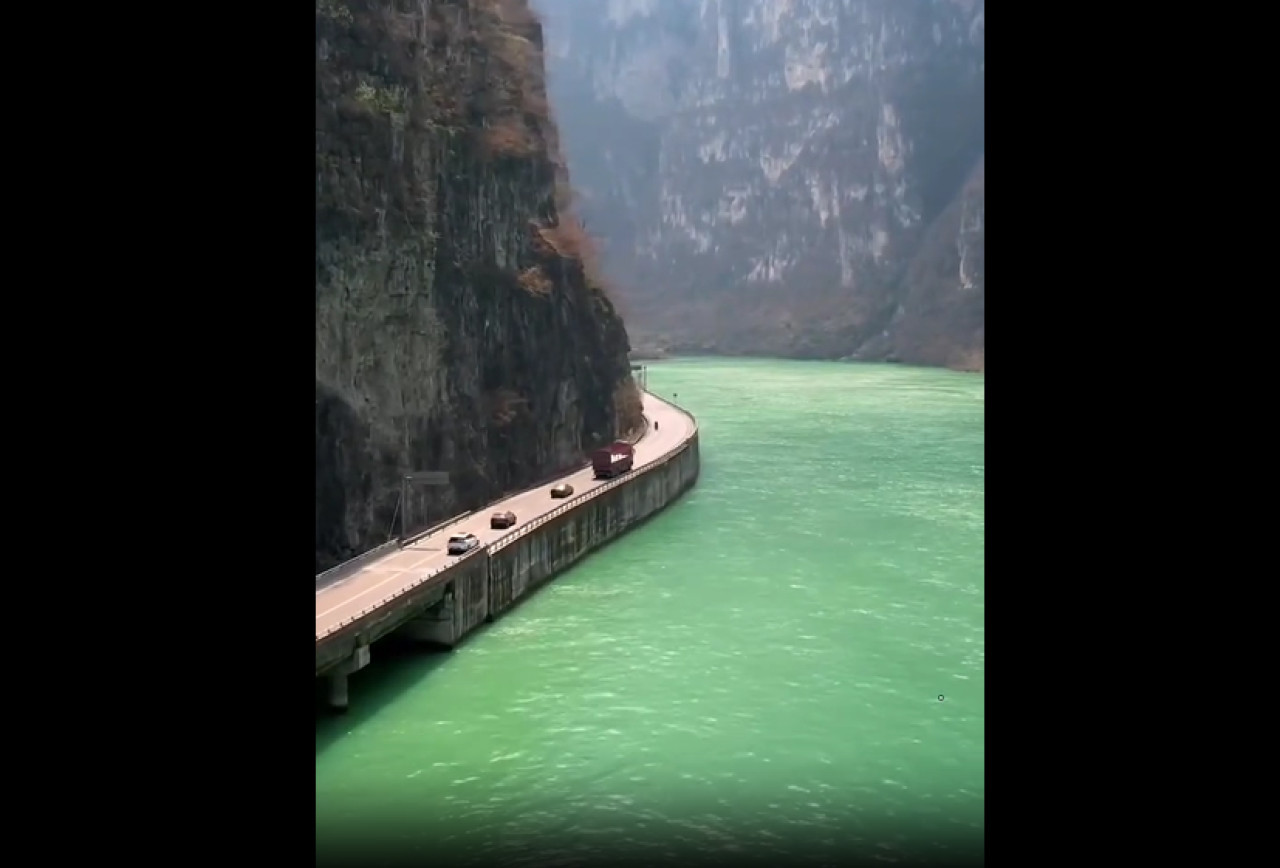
{"points": [[338, 699], [435, 626], [338, 683]]}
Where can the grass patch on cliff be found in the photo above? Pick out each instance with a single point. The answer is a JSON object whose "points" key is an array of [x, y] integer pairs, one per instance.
{"points": [[509, 137], [534, 281], [504, 406], [517, 113], [382, 99], [568, 238], [334, 10]]}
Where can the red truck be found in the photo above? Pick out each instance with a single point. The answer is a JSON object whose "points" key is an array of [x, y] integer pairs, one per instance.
{"points": [[613, 460]]}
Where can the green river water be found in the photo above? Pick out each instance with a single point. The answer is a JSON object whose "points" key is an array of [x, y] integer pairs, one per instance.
{"points": [[790, 657]]}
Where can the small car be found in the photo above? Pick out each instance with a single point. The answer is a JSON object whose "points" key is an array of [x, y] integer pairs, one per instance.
{"points": [[502, 520], [461, 543], [564, 489]]}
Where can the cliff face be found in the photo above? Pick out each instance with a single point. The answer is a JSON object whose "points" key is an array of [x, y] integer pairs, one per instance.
{"points": [[790, 177], [457, 328]]}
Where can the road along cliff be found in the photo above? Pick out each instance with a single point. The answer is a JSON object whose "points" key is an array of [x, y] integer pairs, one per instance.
{"points": [[422, 592], [459, 324]]}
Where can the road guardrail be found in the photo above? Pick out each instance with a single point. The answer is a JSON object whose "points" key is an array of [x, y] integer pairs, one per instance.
{"points": [[348, 567], [508, 538]]}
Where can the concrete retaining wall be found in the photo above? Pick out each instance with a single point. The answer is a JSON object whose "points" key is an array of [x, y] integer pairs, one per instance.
{"points": [[518, 567], [429, 601], [444, 608]]}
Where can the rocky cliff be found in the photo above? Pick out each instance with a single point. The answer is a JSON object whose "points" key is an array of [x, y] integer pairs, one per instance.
{"points": [[790, 177], [458, 327]]}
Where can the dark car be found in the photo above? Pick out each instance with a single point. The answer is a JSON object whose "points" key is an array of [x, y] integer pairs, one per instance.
{"points": [[502, 520], [564, 489]]}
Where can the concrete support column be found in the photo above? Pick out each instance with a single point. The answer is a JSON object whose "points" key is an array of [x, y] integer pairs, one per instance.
{"points": [[337, 679], [436, 626], [338, 691]]}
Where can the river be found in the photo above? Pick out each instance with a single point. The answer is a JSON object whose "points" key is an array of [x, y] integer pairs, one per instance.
{"points": [[790, 657]]}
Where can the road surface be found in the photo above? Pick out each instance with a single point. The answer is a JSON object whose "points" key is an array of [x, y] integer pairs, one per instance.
{"points": [[385, 576]]}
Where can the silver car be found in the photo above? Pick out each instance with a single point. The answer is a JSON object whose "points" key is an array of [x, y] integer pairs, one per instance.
{"points": [[461, 543]]}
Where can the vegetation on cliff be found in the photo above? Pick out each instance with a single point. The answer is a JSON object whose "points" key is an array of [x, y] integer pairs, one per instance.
{"points": [[460, 322]]}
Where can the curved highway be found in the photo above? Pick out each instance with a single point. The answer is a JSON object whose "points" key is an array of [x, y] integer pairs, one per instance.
{"points": [[382, 578]]}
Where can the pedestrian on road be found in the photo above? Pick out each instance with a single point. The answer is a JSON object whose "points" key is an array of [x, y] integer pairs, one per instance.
{"points": [[655, 424]]}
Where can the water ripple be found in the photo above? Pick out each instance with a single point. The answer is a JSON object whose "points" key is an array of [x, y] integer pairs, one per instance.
{"points": [[759, 664]]}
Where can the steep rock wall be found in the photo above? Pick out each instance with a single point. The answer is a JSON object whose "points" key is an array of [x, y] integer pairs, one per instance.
{"points": [[456, 326], [790, 177]]}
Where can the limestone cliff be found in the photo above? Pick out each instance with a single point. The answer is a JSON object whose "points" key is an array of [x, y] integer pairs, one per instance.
{"points": [[457, 325], [788, 177]]}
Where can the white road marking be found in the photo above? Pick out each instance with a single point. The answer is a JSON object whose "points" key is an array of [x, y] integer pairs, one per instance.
{"points": [[655, 442], [391, 578]]}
